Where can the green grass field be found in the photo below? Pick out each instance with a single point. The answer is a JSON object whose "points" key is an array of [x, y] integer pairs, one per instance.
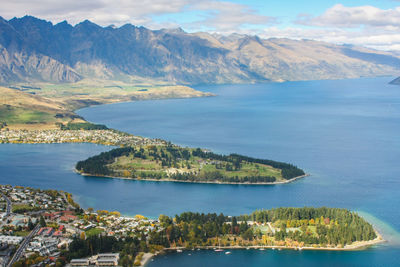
{"points": [[16, 115], [93, 231]]}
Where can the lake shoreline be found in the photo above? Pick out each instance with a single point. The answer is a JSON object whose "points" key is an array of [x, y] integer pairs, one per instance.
{"points": [[193, 182], [354, 247]]}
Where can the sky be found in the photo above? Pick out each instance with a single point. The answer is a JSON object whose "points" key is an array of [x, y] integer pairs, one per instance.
{"points": [[371, 23]]}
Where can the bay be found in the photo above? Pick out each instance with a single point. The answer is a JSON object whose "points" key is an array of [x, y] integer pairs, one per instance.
{"points": [[344, 133]]}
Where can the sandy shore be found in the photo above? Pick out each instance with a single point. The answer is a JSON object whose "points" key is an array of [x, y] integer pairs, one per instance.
{"points": [[194, 182], [146, 258]]}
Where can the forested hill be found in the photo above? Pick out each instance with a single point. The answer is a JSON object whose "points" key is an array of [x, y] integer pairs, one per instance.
{"points": [[286, 227], [173, 163], [35, 50], [296, 228]]}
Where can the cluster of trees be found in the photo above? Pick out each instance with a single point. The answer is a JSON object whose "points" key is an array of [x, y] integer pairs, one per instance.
{"points": [[97, 165], [196, 229], [81, 247], [128, 247], [333, 225], [219, 176], [82, 126], [289, 171]]}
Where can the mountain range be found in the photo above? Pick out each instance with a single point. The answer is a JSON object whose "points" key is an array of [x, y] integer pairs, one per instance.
{"points": [[35, 50]]}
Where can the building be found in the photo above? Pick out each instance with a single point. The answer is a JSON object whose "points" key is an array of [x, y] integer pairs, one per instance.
{"points": [[80, 262], [11, 240], [109, 259]]}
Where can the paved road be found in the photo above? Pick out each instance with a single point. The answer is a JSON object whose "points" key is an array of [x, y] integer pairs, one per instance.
{"points": [[9, 204], [70, 207], [23, 245]]}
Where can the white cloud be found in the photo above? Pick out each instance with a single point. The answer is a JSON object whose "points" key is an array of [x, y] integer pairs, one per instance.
{"points": [[221, 15], [352, 17], [360, 25], [381, 40], [227, 17]]}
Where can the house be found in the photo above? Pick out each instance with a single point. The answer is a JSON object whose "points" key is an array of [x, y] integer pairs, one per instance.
{"points": [[11, 240], [108, 259], [80, 262]]}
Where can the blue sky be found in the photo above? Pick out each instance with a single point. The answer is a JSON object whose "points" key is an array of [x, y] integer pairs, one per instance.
{"points": [[286, 11], [371, 23]]}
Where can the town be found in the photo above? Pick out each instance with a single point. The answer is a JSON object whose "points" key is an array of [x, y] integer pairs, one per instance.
{"points": [[38, 227], [103, 137]]}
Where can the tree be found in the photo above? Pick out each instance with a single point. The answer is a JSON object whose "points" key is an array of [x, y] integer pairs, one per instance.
{"points": [[83, 236], [30, 225], [42, 222]]}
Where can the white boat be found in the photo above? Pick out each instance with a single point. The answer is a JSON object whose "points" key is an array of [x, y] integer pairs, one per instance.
{"points": [[219, 247], [262, 249], [228, 252], [179, 250]]}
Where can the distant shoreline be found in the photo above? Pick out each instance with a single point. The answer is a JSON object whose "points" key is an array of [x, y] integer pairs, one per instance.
{"points": [[195, 182]]}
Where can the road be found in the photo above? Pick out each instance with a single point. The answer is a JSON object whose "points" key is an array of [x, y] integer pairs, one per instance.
{"points": [[23, 245], [9, 205], [70, 207]]}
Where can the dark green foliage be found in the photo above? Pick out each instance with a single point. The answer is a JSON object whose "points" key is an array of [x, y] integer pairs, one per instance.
{"points": [[97, 165], [128, 248], [42, 222], [83, 126], [344, 226], [340, 226], [93, 245]]}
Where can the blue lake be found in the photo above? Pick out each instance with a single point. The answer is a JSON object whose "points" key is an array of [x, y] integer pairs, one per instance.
{"points": [[344, 133]]}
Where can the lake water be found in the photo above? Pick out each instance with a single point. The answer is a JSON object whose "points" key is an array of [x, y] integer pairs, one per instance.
{"points": [[344, 133]]}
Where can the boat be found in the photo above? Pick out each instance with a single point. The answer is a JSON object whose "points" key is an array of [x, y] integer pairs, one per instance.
{"points": [[262, 249], [219, 247], [179, 250], [228, 252]]}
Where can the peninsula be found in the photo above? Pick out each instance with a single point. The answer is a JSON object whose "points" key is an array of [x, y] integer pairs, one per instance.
{"points": [[173, 163], [48, 227]]}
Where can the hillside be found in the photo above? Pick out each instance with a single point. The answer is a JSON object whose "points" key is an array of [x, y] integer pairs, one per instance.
{"points": [[23, 110], [34, 50], [28, 107]]}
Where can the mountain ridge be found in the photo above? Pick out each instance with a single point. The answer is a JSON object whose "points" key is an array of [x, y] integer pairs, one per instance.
{"points": [[35, 50]]}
